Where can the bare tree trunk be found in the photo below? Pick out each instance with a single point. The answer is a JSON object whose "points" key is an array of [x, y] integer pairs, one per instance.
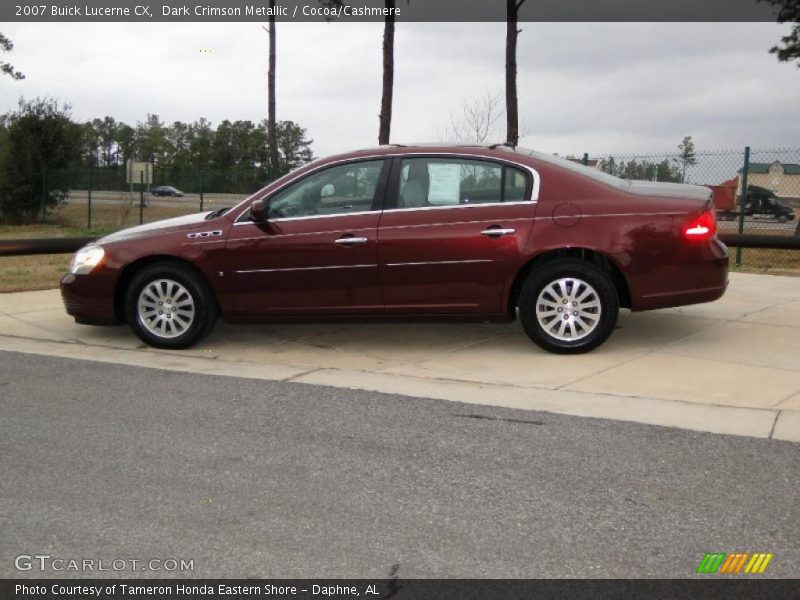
{"points": [[272, 131], [512, 111], [388, 75]]}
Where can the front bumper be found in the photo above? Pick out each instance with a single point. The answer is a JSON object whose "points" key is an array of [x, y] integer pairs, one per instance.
{"points": [[90, 298]]}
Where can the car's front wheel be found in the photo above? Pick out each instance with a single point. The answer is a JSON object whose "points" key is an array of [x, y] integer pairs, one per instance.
{"points": [[568, 306], [169, 306]]}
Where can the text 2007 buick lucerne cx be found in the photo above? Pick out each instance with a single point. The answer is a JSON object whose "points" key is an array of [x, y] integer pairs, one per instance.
{"points": [[414, 232]]}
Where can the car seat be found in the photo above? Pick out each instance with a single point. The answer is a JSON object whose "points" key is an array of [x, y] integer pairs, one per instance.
{"points": [[415, 190]]}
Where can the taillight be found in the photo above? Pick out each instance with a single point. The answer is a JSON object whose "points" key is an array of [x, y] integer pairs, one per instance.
{"points": [[701, 228]]}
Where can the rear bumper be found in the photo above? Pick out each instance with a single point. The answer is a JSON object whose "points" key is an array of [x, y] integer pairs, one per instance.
{"points": [[89, 298], [682, 298], [696, 276]]}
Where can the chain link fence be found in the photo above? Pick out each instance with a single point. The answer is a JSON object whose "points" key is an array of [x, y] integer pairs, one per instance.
{"points": [[755, 192], [103, 200]]}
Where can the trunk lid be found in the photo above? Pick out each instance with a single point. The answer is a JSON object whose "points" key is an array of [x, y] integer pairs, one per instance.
{"points": [[671, 190]]}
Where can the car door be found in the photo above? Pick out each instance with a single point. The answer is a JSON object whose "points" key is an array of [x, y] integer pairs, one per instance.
{"points": [[452, 233], [317, 252]]}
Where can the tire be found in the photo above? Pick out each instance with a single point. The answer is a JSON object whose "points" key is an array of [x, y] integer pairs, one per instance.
{"points": [[586, 289], [192, 306], [783, 219]]}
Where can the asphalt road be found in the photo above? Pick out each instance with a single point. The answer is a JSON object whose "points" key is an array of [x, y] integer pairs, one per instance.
{"points": [[251, 478]]}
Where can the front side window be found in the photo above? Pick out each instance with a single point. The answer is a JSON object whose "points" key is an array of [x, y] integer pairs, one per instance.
{"points": [[431, 182], [335, 190]]}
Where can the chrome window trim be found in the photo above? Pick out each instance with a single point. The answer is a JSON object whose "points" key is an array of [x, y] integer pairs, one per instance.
{"points": [[393, 210], [534, 198], [346, 214]]}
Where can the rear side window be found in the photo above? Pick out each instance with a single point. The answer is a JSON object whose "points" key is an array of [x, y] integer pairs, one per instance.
{"points": [[427, 182], [516, 183]]}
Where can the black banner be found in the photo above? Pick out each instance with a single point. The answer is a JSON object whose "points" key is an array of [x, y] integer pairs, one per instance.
{"points": [[376, 10], [711, 588]]}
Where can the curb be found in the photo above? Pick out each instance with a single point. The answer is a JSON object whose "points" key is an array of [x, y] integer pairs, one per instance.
{"points": [[750, 422]]}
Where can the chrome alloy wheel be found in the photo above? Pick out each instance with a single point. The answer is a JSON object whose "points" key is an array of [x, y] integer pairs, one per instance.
{"points": [[165, 308], [568, 309]]}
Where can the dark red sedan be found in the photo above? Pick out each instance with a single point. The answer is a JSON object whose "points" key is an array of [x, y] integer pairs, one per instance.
{"points": [[414, 232]]}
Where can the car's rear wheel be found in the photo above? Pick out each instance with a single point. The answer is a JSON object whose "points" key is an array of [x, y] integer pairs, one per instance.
{"points": [[783, 219], [568, 306], [169, 306]]}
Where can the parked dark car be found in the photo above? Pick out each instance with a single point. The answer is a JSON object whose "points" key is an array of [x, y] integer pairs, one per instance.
{"points": [[418, 232], [166, 190]]}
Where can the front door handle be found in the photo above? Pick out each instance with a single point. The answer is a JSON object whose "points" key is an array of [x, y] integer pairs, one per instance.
{"points": [[351, 240], [497, 231]]}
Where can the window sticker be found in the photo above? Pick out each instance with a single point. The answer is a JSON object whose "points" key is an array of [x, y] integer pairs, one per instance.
{"points": [[445, 183]]}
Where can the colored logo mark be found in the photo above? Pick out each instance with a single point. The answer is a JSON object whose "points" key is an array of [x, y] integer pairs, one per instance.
{"points": [[737, 562]]}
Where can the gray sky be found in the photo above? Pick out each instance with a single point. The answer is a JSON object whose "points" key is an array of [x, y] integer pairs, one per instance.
{"points": [[583, 87]]}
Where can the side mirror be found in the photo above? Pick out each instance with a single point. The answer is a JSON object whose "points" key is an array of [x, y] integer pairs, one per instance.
{"points": [[258, 210]]}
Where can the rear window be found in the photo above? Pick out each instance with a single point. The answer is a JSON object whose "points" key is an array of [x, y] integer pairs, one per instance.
{"points": [[577, 168]]}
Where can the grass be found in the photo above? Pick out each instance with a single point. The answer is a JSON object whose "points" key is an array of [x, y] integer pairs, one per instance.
{"points": [[28, 273], [42, 272], [767, 260], [111, 217], [47, 230]]}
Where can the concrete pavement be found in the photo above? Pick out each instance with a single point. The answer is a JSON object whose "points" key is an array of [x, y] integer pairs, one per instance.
{"points": [[732, 366]]}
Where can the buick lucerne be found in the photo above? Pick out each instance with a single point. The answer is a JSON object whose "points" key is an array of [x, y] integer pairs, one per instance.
{"points": [[483, 233]]}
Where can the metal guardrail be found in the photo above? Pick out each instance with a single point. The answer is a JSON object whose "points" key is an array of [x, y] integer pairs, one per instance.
{"points": [[747, 240], [43, 246], [70, 245]]}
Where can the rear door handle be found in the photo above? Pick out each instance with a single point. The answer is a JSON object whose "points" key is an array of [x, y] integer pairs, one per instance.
{"points": [[351, 240], [497, 231]]}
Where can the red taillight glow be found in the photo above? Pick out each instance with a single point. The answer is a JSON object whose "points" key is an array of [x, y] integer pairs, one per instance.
{"points": [[701, 228]]}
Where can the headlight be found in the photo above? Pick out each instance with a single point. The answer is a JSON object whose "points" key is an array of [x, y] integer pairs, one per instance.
{"points": [[86, 259]]}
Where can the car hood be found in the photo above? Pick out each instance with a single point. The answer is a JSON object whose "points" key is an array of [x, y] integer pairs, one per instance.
{"points": [[673, 190], [188, 222]]}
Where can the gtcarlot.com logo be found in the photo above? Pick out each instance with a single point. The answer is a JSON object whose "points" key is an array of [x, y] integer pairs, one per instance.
{"points": [[733, 563], [45, 562]]}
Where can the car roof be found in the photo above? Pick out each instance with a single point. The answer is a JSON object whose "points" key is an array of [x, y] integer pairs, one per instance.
{"points": [[429, 145], [498, 150], [476, 150]]}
